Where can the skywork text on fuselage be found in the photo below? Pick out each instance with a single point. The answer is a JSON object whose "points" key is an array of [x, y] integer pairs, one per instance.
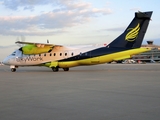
{"points": [[29, 59]]}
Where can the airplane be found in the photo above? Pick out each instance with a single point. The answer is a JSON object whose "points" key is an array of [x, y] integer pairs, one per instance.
{"points": [[58, 56]]}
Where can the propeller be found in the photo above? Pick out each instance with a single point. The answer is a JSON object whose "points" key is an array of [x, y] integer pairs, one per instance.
{"points": [[21, 39]]}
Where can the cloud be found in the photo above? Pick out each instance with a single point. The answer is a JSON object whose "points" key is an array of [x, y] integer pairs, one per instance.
{"points": [[68, 13], [30, 4], [135, 9], [114, 29], [26, 4], [9, 46]]}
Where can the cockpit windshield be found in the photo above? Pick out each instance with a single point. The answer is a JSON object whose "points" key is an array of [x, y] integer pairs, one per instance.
{"points": [[14, 53]]}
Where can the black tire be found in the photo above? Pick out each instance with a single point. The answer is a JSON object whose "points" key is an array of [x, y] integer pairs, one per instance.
{"points": [[66, 69], [13, 69], [55, 69]]}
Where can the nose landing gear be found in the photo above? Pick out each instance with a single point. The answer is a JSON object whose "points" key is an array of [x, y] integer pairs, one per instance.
{"points": [[13, 68]]}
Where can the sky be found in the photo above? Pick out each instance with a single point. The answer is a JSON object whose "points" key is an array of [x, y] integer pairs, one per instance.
{"points": [[69, 22]]}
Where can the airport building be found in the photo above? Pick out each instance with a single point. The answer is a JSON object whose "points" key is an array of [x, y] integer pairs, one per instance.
{"points": [[150, 56]]}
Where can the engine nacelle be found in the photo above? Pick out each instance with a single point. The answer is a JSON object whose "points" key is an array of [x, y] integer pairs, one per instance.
{"points": [[36, 49]]}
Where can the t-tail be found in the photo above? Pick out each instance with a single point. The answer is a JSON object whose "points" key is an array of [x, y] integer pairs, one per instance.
{"points": [[133, 36]]}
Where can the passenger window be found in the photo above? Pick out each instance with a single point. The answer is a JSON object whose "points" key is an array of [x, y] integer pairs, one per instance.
{"points": [[39, 54], [50, 54], [45, 54], [60, 54], [72, 54], [54, 54], [65, 54]]}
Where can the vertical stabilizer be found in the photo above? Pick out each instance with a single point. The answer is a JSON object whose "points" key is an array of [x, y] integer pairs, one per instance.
{"points": [[133, 36]]}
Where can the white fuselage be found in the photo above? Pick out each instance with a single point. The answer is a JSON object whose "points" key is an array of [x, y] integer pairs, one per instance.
{"points": [[58, 53]]}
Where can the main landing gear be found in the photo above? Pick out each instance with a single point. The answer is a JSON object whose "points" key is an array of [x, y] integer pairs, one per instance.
{"points": [[66, 69], [56, 69]]}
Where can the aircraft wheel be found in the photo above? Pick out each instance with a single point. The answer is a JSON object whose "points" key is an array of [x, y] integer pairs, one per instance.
{"points": [[13, 69], [66, 69], [55, 69]]}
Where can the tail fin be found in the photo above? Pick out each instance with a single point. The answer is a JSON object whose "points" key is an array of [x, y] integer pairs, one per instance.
{"points": [[133, 36]]}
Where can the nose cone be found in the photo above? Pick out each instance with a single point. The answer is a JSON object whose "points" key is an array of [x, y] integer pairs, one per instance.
{"points": [[5, 61]]}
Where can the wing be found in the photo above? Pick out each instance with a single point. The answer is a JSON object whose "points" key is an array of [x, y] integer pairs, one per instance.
{"points": [[37, 44]]}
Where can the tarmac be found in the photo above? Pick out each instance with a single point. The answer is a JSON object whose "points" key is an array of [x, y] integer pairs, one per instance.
{"points": [[100, 92]]}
